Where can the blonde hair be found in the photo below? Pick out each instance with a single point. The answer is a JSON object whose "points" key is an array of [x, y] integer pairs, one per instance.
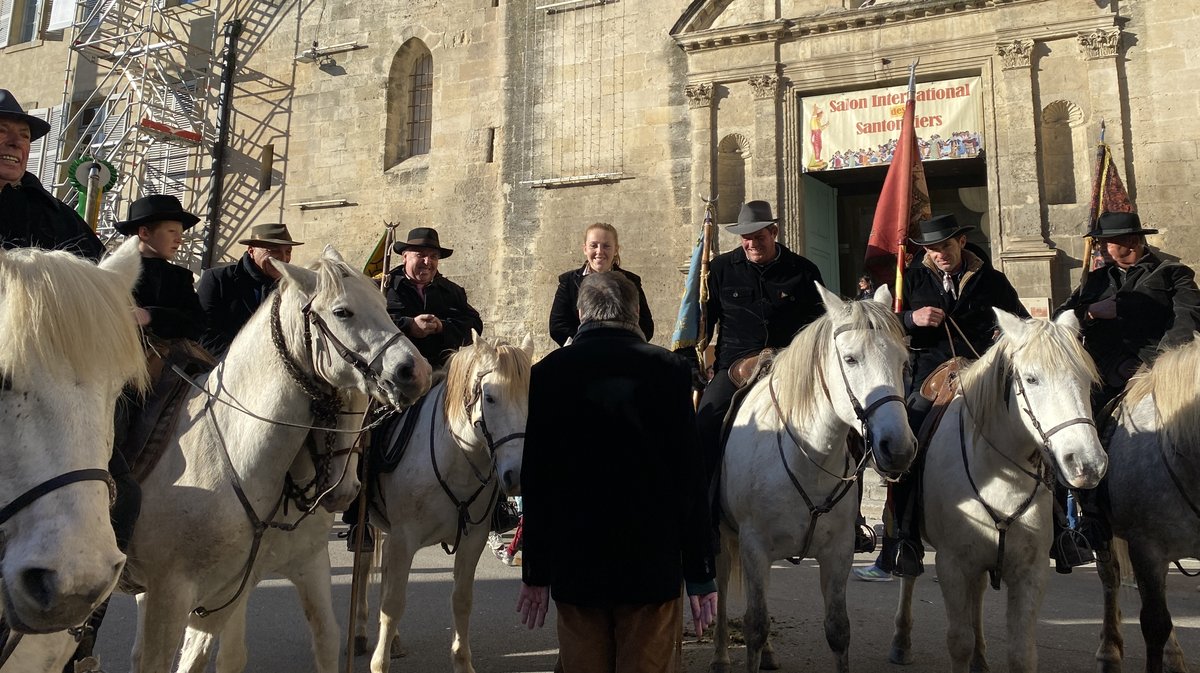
{"points": [[510, 364], [616, 240]]}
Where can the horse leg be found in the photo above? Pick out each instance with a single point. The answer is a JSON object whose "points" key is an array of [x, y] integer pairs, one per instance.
{"points": [[975, 593], [197, 649], [362, 569], [397, 563], [834, 571], [1150, 568], [462, 598], [1112, 645], [162, 619], [1025, 590], [755, 624], [1174, 655], [725, 563], [313, 584], [962, 594], [902, 637]]}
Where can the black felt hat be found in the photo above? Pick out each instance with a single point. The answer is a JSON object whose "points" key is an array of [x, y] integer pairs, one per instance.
{"points": [[9, 107], [753, 216], [422, 237], [938, 229], [1109, 225], [269, 234], [155, 208]]}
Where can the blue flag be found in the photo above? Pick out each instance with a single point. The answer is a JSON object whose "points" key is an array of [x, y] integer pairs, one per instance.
{"points": [[687, 325]]}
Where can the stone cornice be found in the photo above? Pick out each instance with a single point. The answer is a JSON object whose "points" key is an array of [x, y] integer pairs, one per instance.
{"points": [[830, 22]]}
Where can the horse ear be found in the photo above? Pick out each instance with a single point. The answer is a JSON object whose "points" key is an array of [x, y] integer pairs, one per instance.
{"points": [[883, 295], [832, 302], [125, 262], [527, 344], [331, 253], [302, 278], [1009, 323], [1068, 319]]}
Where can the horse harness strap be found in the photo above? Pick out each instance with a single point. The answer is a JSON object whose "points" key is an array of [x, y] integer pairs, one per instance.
{"points": [[835, 496], [364, 366], [463, 506], [53, 484]]}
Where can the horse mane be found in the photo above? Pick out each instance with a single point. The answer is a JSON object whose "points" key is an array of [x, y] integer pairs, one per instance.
{"points": [[797, 384], [511, 367], [334, 274], [1174, 391], [64, 314], [1043, 344]]}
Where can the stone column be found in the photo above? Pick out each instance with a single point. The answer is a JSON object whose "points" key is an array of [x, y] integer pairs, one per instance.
{"points": [[1099, 49], [764, 184], [700, 112], [1025, 256]]}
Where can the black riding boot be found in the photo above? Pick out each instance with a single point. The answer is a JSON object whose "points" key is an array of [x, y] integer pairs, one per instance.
{"points": [[1069, 548]]}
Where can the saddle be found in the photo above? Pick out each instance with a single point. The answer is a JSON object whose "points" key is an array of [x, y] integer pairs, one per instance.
{"points": [[389, 442], [151, 423], [939, 388], [749, 369]]}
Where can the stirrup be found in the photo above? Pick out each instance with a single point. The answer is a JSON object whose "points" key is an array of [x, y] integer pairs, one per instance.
{"points": [[908, 559], [864, 539], [1071, 550]]}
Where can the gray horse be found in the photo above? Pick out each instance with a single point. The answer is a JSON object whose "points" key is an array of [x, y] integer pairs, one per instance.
{"points": [[1153, 488]]}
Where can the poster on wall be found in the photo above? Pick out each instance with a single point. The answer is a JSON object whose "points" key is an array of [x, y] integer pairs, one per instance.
{"points": [[860, 128]]}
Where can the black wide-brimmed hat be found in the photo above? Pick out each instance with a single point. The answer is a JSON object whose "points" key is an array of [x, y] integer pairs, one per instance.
{"points": [[753, 216], [9, 107], [422, 237], [1109, 225], [155, 208], [269, 234], [938, 229]]}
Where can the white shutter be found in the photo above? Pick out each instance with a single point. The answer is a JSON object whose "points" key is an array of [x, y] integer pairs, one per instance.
{"points": [[61, 13], [37, 147], [6, 12], [49, 170]]}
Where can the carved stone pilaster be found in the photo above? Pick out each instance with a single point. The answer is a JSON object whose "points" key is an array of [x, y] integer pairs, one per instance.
{"points": [[1015, 54], [765, 86], [699, 95], [1102, 43]]}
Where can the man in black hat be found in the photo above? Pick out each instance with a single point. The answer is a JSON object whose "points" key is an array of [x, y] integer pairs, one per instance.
{"points": [[29, 216], [230, 294], [760, 294], [168, 306], [1133, 308], [431, 310]]}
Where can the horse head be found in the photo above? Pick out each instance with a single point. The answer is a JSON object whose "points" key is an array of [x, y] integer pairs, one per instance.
{"points": [[487, 399], [335, 327], [68, 344], [863, 372], [1048, 386]]}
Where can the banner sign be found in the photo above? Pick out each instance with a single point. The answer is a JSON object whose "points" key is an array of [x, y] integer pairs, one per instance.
{"points": [[860, 128]]}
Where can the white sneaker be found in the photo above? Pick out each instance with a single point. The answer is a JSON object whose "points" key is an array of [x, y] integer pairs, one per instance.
{"points": [[496, 541]]}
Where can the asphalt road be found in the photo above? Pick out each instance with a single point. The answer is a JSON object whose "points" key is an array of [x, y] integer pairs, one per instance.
{"points": [[1067, 633]]}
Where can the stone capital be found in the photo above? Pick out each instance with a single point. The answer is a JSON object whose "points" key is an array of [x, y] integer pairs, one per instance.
{"points": [[699, 95], [765, 87], [1101, 43], [1015, 54]]}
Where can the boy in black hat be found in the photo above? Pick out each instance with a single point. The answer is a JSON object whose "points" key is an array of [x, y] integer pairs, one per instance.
{"points": [[1133, 308], [168, 306], [29, 216]]}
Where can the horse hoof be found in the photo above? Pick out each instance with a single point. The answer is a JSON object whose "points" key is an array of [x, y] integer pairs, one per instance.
{"points": [[769, 661], [719, 667], [900, 656], [979, 667], [397, 651], [361, 646]]}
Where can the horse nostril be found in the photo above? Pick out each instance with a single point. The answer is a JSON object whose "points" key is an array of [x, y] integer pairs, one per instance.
{"points": [[405, 371], [41, 584]]}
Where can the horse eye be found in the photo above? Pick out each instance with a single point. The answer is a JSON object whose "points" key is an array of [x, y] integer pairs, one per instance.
{"points": [[849, 359], [489, 399], [1031, 380], [343, 313]]}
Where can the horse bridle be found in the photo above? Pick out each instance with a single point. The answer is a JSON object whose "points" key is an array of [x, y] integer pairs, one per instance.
{"points": [[862, 414], [362, 365]]}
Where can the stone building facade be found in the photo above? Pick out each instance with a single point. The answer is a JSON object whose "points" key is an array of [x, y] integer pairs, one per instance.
{"points": [[511, 124]]}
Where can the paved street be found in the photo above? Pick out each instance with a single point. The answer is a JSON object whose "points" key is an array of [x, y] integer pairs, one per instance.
{"points": [[1067, 636]]}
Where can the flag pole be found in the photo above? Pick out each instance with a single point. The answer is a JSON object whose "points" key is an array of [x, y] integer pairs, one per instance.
{"points": [[1089, 243], [702, 323]]}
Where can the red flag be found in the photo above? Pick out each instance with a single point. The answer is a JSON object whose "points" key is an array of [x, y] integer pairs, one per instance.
{"points": [[1108, 196], [903, 202]]}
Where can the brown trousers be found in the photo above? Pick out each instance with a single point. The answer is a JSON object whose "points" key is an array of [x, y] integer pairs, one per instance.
{"points": [[621, 639]]}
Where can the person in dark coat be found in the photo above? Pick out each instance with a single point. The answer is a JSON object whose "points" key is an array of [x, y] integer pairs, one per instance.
{"points": [[1133, 308], [609, 464], [759, 294], [230, 294], [30, 217], [601, 252], [168, 306], [432, 311]]}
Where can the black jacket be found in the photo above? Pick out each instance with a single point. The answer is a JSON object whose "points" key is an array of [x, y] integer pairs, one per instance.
{"points": [[31, 218], [1158, 306], [229, 295], [564, 316], [759, 306], [615, 506], [165, 291], [980, 288], [444, 299]]}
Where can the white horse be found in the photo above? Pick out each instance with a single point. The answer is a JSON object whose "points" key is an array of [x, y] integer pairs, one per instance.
{"points": [[321, 339], [787, 480], [68, 344], [466, 449], [1023, 416], [1153, 501]]}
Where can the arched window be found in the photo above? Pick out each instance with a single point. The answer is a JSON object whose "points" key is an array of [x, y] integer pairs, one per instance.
{"points": [[409, 104]]}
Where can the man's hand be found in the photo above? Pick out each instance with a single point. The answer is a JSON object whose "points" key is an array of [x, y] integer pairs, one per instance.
{"points": [[1105, 309], [704, 611], [533, 602], [426, 324], [930, 316]]}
